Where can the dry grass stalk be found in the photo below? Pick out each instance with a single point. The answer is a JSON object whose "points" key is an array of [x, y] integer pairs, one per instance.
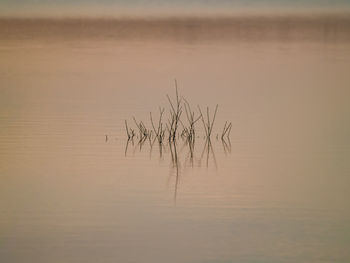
{"points": [[208, 126]]}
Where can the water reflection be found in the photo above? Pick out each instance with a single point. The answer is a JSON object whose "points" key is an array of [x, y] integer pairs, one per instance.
{"points": [[181, 154], [190, 157]]}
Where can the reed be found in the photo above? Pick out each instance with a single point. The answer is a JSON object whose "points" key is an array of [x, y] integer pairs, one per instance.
{"points": [[189, 132], [226, 130], [209, 123], [143, 131], [160, 131], [177, 122], [175, 113], [130, 132]]}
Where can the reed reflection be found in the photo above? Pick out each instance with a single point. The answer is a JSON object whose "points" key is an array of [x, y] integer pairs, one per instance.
{"points": [[181, 154], [226, 144]]}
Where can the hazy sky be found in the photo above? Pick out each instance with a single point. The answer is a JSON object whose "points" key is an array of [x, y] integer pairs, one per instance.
{"points": [[61, 7]]}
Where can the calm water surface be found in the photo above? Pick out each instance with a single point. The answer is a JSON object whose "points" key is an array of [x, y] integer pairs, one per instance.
{"points": [[277, 191]]}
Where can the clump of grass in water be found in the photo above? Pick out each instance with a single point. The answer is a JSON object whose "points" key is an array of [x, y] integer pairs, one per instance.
{"points": [[180, 123], [170, 128]]}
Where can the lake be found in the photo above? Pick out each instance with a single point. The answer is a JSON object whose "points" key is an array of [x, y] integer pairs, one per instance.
{"points": [[74, 189]]}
